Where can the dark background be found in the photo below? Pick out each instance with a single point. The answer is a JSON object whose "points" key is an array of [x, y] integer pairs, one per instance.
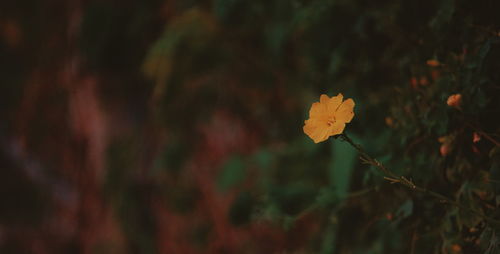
{"points": [[167, 126]]}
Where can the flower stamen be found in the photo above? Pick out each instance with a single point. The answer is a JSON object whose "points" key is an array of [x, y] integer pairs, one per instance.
{"points": [[331, 121]]}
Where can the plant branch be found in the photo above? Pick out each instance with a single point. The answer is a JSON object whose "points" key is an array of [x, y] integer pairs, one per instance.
{"points": [[484, 134], [394, 178]]}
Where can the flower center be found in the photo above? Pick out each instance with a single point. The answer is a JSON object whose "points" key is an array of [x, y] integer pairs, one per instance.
{"points": [[331, 121]]}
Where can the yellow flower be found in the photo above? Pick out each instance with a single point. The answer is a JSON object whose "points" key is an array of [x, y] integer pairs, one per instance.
{"points": [[328, 117]]}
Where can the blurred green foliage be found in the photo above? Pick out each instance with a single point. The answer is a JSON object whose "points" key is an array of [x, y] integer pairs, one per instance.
{"points": [[377, 54], [215, 95]]}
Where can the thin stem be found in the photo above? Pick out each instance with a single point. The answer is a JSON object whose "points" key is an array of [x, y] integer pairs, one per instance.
{"points": [[488, 137], [348, 196], [394, 178]]}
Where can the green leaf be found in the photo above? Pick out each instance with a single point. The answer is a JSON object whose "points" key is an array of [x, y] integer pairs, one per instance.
{"points": [[444, 14], [405, 210], [288, 222], [292, 199], [263, 158], [275, 37], [222, 8], [484, 51], [327, 197], [328, 244], [233, 172], [495, 175], [342, 164]]}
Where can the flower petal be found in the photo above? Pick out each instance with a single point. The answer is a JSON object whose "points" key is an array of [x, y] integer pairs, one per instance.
{"points": [[320, 136], [334, 103], [345, 111], [318, 110], [316, 130], [324, 98], [336, 128]]}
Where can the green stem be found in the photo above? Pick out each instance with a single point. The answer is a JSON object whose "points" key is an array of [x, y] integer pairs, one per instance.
{"points": [[394, 178]]}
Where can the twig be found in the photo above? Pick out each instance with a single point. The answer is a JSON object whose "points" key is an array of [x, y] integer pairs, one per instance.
{"points": [[484, 134], [394, 178], [348, 196]]}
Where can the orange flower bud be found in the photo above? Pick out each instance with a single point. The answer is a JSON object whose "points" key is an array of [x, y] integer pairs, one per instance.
{"points": [[443, 139], [433, 63], [435, 74], [424, 81], [389, 121], [446, 144], [389, 216], [475, 137], [414, 82], [444, 150], [456, 248], [455, 100]]}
